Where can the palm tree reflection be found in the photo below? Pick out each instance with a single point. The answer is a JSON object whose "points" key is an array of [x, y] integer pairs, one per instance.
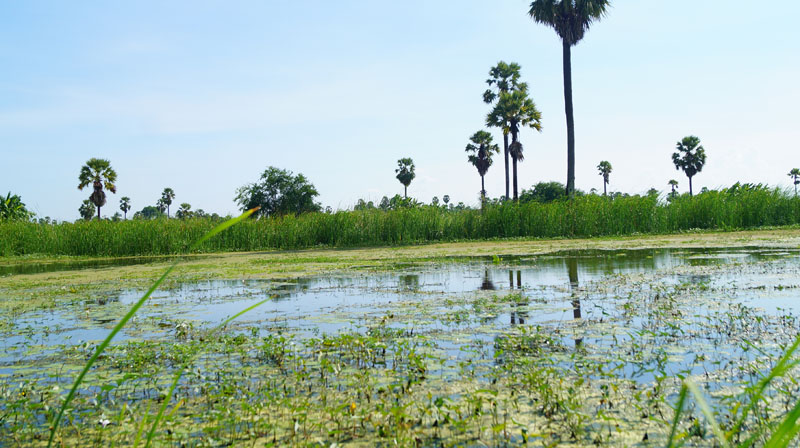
{"points": [[572, 272]]}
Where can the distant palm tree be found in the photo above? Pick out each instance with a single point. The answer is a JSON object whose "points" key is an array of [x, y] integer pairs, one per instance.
{"points": [[674, 185], [185, 211], [605, 170], [505, 77], [513, 110], [86, 210], [161, 205], [125, 205], [795, 175], [99, 173], [482, 148], [166, 197], [691, 157], [405, 173], [571, 20]]}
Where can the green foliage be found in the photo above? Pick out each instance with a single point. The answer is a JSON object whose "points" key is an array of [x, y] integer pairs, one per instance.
{"points": [[99, 173], [149, 212], [407, 223], [86, 210], [279, 192], [570, 19], [481, 150], [185, 211], [405, 172], [166, 198], [691, 157], [604, 169], [544, 192], [12, 208], [125, 205]]}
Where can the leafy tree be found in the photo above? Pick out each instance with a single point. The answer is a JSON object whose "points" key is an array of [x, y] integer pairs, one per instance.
{"points": [[604, 169], [446, 199], [405, 173], [86, 210], [125, 205], [544, 192], [364, 205], [166, 198], [99, 173], [513, 110], [691, 157], [116, 217], [12, 208], [279, 192], [571, 20], [384, 205], [149, 212], [481, 150], [161, 205], [185, 211], [435, 201], [673, 184], [505, 77], [795, 175]]}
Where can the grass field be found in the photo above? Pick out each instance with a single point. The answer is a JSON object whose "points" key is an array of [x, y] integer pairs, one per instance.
{"points": [[586, 216]]}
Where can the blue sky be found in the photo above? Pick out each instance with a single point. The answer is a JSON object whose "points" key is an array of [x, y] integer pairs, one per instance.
{"points": [[202, 96]]}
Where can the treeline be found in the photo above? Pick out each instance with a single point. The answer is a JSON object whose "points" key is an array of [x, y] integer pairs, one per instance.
{"points": [[738, 207]]}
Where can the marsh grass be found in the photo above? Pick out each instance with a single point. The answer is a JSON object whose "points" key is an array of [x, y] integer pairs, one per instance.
{"points": [[586, 216]]}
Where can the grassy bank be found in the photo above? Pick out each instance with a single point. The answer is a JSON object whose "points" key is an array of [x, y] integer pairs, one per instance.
{"points": [[586, 216]]}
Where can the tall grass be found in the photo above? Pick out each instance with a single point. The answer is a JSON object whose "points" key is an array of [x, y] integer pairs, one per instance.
{"points": [[585, 216]]}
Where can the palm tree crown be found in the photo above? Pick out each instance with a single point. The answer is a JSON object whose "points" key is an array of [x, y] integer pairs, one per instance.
{"points": [[691, 157], [125, 205], [405, 173], [481, 150], [99, 173], [570, 19]]}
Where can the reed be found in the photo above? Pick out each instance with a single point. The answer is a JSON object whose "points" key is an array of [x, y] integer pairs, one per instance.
{"points": [[586, 216]]}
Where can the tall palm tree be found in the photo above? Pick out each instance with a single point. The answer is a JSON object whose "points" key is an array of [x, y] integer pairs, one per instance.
{"points": [[405, 173], [99, 173], [504, 77], [691, 157], [571, 20], [605, 170], [166, 198], [674, 185], [125, 205], [482, 148], [513, 110], [795, 175]]}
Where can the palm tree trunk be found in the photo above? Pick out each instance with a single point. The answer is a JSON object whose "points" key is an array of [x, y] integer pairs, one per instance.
{"points": [[483, 193], [505, 146], [514, 160], [570, 119], [98, 213], [405, 192], [690, 186], [795, 188], [605, 193]]}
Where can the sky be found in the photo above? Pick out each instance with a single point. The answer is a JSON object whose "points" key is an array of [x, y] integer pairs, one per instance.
{"points": [[203, 96]]}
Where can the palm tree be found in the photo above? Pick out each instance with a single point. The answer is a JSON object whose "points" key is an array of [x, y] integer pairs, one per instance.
{"points": [[481, 150], [571, 20], [125, 205], [674, 185], [185, 211], [505, 77], [691, 157], [161, 205], [86, 209], [795, 175], [99, 173], [166, 197], [605, 170], [405, 173], [512, 110]]}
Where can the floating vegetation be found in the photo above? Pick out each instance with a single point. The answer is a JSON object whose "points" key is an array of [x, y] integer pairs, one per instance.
{"points": [[579, 348]]}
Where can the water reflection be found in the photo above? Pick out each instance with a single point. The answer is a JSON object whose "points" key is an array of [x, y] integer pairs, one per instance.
{"points": [[572, 272], [518, 315], [487, 284]]}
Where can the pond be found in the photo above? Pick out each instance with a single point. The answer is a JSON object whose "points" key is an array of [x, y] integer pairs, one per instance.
{"points": [[567, 346]]}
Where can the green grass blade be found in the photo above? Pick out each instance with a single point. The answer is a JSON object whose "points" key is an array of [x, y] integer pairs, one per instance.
{"points": [[125, 320], [706, 410], [677, 419], [787, 431]]}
